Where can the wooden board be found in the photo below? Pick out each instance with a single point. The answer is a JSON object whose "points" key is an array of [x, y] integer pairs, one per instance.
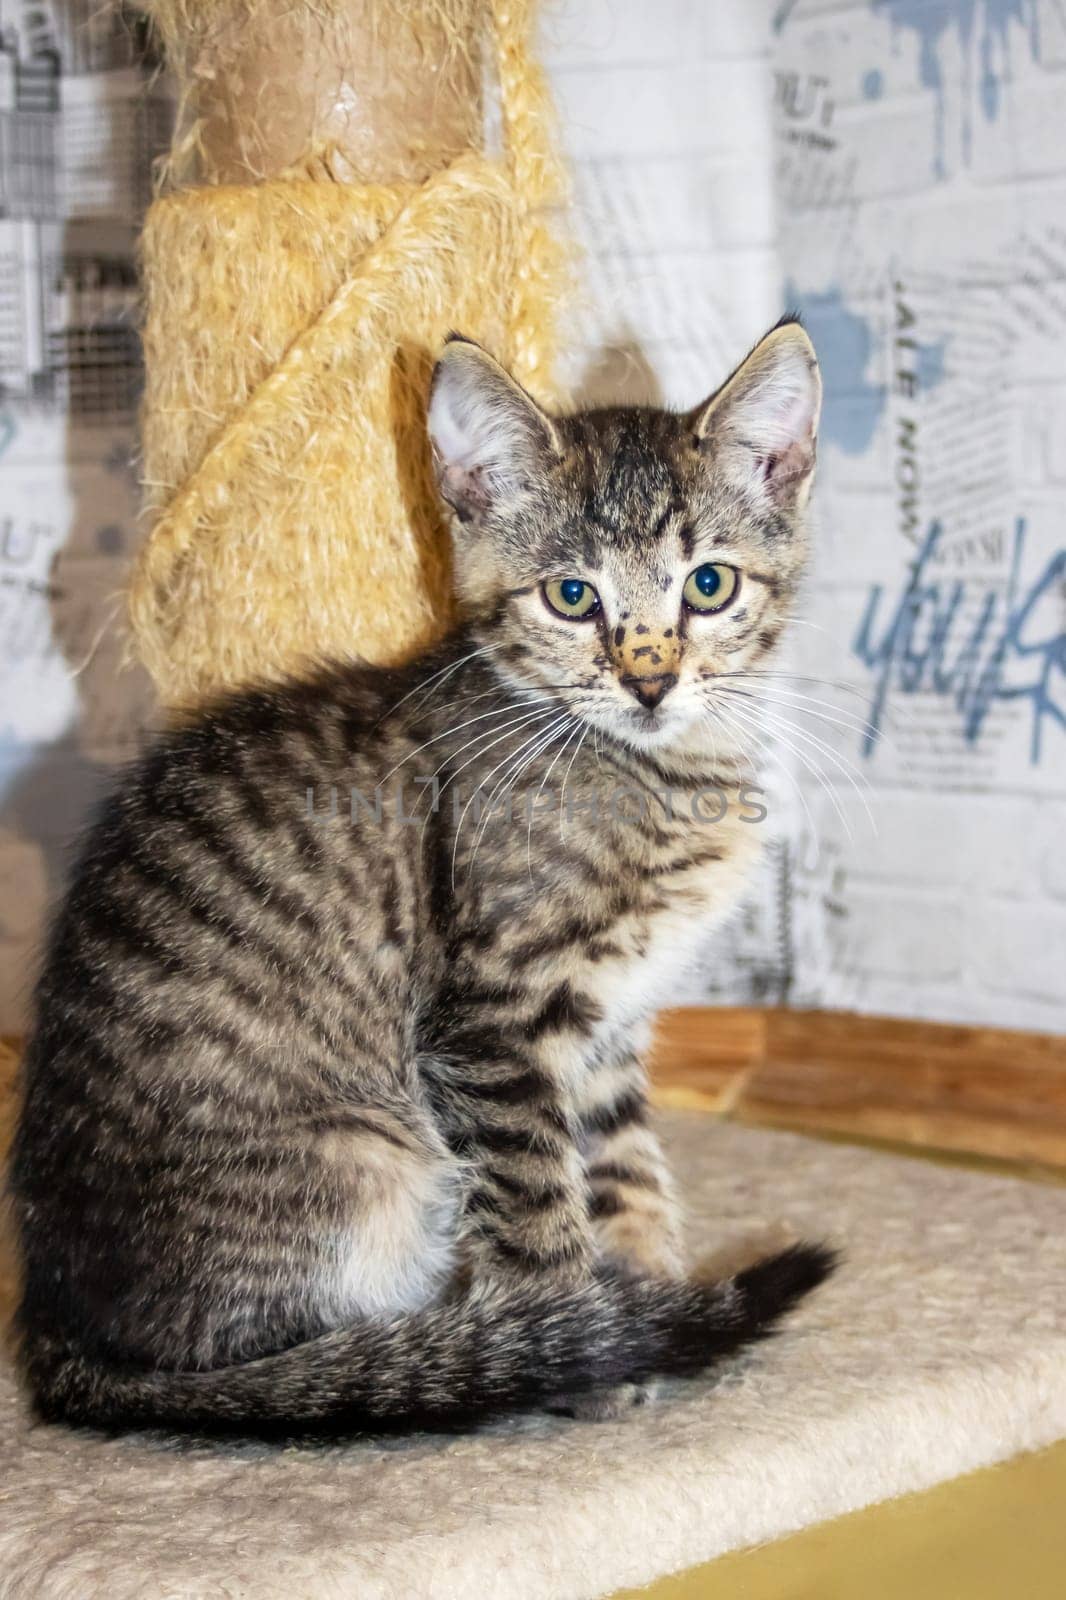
{"points": [[985, 1091]]}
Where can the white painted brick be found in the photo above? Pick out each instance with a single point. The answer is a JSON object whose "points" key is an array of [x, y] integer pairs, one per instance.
{"points": [[738, 27], [1040, 199], [1018, 950], [867, 472], [1050, 847], [844, 552], [1051, 25], [741, 204], [605, 34], [670, 204], [1039, 1016], [889, 146], [913, 936], [1029, 429], [1025, 140], [660, 371], [689, 299], [639, 208], [751, 295], [698, 108], [940, 840], [689, 371], [1042, 510], [1036, 315], [663, 214], [802, 13], [842, 47], [938, 1002], [959, 227], [1054, 410]]}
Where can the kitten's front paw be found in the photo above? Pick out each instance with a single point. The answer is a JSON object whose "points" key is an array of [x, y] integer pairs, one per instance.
{"points": [[605, 1405]]}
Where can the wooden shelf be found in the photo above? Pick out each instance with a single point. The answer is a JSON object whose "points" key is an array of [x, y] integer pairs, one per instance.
{"points": [[985, 1091]]}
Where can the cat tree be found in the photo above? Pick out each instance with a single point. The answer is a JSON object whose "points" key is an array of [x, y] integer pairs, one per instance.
{"points": [[331, 210]]}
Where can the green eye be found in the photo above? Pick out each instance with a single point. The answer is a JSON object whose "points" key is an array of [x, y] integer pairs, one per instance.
{"points": [[710, 587], [572, 597]]}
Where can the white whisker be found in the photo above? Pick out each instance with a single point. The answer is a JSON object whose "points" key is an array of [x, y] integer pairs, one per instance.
{"points": [[766, 752], [478, 787], [566, 775], [458, 727], [568, 735], [759, 675], [540, 740], [858, 781], [807, 765], [809, 705], [483, 741], [445, 673]]}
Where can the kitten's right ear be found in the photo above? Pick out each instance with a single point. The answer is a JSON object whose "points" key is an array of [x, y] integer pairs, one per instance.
{"points": [[489, 437], [763, 422]]}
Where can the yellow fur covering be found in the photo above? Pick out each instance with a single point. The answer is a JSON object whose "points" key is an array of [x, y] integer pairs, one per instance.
{"points": [[291, 326]]}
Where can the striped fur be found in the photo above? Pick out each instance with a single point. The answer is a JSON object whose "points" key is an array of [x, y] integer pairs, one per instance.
{"points": [[338, 1120]]}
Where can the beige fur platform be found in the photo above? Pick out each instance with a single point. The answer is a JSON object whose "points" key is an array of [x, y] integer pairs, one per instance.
{"points": [[940, 1347]]}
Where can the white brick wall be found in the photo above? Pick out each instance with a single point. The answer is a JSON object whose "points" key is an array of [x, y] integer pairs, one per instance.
{"points": [[897, 933], [947, 842], [693, 208], [954, 908], [1017, 948], [666, 118]]}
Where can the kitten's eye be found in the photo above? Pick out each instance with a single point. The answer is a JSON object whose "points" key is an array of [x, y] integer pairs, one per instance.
{"points": [[710, 587], [572, 597]]}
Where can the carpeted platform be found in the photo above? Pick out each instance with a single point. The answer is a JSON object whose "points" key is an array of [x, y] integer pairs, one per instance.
{"points": [[940, 1347]]}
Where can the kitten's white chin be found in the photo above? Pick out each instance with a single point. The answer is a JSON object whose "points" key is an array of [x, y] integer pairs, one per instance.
{"points": [[686, 738], [651, 735], [657, 730]]}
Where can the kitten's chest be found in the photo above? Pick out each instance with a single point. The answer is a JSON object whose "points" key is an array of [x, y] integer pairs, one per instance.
{"points": [[637, 967]]}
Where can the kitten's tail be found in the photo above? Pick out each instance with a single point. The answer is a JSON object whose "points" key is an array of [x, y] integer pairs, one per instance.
{"points": [[498, 1349]]}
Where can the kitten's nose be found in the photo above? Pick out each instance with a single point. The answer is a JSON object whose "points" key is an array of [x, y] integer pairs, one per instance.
{"points": [[651, 689]]}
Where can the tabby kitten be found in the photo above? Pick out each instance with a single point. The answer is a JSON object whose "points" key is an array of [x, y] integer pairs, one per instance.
{"points": [[334, 1114]]}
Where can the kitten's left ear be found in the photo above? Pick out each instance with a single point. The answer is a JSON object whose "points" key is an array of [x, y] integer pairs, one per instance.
{"points": [[763, 422], [489, 437]]}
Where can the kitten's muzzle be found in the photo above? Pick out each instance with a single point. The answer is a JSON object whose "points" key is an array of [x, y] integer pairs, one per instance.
{"points": [[650, 690]]}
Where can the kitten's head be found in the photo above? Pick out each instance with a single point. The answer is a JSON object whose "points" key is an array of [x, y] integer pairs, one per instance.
{"points": [[621, 560]]}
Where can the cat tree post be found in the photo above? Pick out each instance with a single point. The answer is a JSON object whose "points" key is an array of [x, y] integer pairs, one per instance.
{"points": [[392, 94], [332, 214]]}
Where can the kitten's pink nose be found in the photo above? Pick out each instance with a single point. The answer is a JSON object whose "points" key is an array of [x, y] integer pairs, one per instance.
{"points": [[650, 690]]}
